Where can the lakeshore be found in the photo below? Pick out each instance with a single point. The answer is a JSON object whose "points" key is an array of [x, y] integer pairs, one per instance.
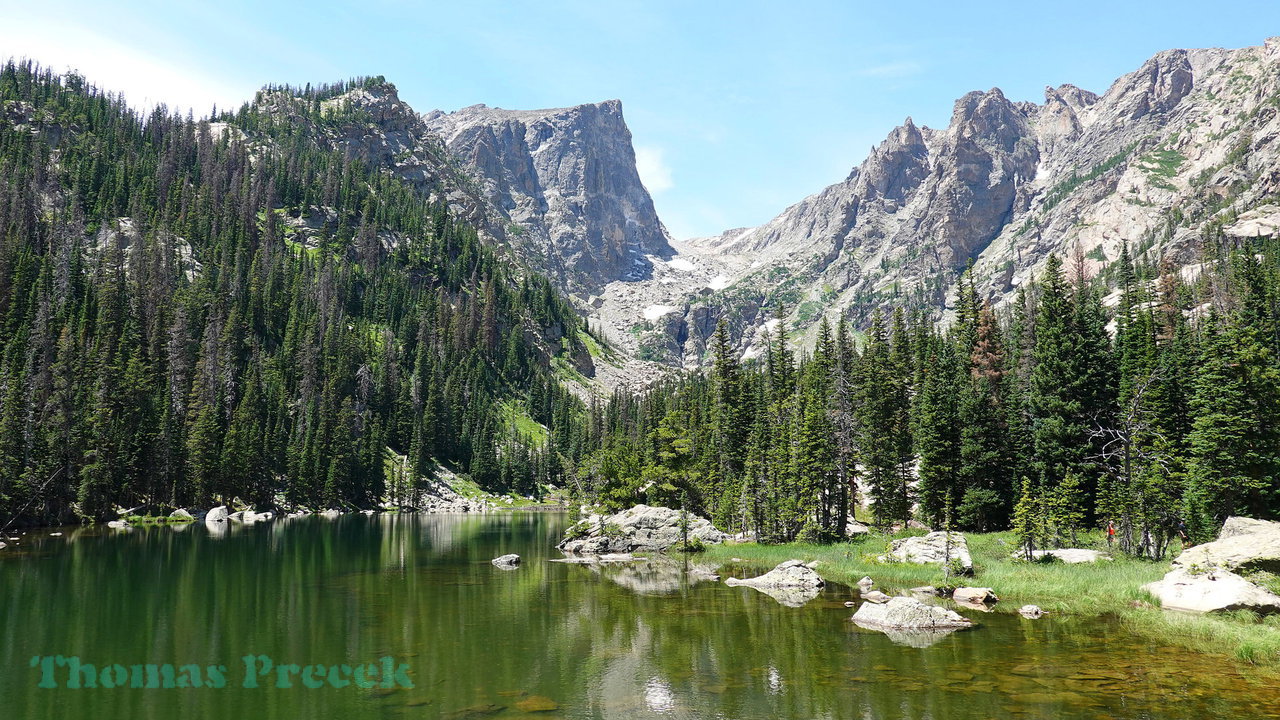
{"points": [[1108, 588]]}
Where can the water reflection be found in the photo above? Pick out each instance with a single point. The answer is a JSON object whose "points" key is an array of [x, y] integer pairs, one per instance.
{"points": [[653, 639]]}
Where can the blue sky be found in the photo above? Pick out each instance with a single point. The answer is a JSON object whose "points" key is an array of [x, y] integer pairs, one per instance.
{"points": [[737, 109]]}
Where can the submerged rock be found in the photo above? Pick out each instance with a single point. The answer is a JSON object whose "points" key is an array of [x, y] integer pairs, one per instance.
{"points": [[641, 528], [931, 548], [537, 703], [661, 575], [606, 559], [904, 613], [1030, 611], [510, 561]]}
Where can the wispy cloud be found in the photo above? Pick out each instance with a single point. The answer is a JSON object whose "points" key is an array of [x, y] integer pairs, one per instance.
{"points": [[904, 68], [144, 79], [653, 169]]}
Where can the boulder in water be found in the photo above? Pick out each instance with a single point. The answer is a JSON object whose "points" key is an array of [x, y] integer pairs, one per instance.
{"points": [[792, 573], [875, 596], [792, 583], [904, 613], [1030, 611], [510, 561], [638, 529], [974, 595]]}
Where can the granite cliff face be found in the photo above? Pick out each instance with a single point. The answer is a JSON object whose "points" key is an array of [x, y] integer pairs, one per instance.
{"points": [[1181, 148], [567, 177], [558, 187]]}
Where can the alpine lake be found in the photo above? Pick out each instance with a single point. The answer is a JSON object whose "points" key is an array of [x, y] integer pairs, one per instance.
{"points": [[653, 639]]}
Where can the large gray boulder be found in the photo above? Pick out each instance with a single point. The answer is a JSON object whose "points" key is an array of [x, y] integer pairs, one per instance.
{"points": [[931, 548], [904, 613], [907, 621], [1244, 544], [792, 573], [792, 583], [510, 561], [638, 529], [1070, 556], [1213, 577], [1211, 591]]}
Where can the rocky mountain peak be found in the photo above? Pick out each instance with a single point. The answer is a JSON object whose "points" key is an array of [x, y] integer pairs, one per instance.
{"points": [[1169, 153], [1073, 97], [1156, 87], [568, 177]]}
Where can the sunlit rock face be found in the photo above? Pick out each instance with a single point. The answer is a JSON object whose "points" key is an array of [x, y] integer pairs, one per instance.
{"points": [[567, 178], [1152, 162]]}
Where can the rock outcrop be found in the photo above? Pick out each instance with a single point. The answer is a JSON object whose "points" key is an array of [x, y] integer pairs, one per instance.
{"points": [[1244, 544], [1213, 577], [558, 188], [567, 177], [638, 529], [932, 548], [1211, 591]]}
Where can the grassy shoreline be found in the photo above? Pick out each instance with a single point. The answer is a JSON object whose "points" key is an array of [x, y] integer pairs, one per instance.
{"points": [[1113, 587]]}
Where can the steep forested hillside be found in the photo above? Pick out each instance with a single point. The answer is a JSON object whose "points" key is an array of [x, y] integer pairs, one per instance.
{"points": [[195, 311]]}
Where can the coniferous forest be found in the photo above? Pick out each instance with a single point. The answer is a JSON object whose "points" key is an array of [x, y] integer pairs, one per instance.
{"points": [[1141, 397], [165, 338], [169, 337]]}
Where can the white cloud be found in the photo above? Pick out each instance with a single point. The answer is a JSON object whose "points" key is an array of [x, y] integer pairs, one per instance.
{"points": [[892, 70], [653, 169], [145, 80]]}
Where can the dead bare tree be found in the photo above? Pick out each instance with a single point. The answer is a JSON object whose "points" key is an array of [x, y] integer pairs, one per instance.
{"points": [[1131, 441]]}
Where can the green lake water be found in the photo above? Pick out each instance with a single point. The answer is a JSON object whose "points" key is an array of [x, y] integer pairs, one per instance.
{"points": [[547, 640]]}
